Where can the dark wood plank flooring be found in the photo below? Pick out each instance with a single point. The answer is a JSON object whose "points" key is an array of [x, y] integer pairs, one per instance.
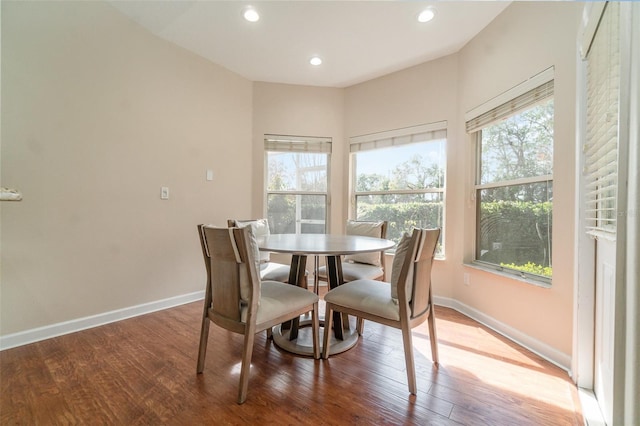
{"points": [[142, 371]]}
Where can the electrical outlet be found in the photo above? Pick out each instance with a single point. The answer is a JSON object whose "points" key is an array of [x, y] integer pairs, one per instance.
{"points": [[164, 193]]}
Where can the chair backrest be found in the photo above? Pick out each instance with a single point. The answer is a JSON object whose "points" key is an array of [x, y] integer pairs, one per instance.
{"points": [[260, 228], [232, 277], [416, 268], [364, 228]]}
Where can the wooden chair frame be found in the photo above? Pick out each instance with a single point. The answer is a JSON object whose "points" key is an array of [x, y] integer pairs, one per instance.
{"points": [[222, 296], [415, 308]]}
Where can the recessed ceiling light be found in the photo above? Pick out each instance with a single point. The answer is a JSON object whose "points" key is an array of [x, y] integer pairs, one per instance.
{"points": [[426, 15], [316, 60], [250, 14]]}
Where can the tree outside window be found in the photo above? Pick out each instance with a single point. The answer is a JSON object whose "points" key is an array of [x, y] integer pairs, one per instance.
{"points": [[296, 192], [514, 192], [402, 184]]}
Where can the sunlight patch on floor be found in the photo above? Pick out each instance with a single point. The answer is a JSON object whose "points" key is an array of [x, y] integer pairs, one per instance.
{"points": [[519, 373]]}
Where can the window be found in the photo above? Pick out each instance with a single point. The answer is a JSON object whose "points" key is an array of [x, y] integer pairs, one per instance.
{"points": [[297, 182], [601, 142], [399, 176], [514, 183]]}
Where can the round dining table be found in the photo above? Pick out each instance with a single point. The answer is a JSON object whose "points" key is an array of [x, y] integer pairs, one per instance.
{"points": [[333, 247]]}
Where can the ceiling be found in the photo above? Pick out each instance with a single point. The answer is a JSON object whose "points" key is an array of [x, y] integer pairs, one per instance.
{"points": [[357, 40]]}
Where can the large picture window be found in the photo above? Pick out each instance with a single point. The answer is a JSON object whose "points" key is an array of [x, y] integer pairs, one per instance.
{"points": [[399, 176], [514, 184], [297, 182]]}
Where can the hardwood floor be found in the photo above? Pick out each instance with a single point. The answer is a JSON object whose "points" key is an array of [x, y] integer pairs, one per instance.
{"points": [[142, 371]]}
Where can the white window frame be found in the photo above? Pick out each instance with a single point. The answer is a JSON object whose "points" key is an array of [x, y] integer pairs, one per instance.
{"points": [[517, 99], [300, 144], [398, 137]]}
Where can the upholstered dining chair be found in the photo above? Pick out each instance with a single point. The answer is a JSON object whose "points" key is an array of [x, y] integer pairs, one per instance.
{"points": [[272, 271], [237, 300], [362, 265], [404, 303]]}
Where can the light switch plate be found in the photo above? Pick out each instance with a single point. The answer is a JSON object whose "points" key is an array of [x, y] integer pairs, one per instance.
{"points": [[164, 193], [209, 174]]}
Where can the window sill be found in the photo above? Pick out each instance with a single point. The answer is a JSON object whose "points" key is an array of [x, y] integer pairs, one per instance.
{"points": [[511, 275]]}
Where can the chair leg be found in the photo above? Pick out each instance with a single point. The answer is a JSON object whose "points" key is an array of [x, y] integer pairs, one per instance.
{"points": [[269, 333], [315, 324], [408, 357], [431, 319], [204, 337], [245, 369], [328, 320]]}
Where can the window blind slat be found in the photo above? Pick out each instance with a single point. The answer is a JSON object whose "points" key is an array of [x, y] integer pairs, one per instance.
{"points": [[595, 219], [604, 178], [604, 166], [604, 153], [281, 143], [602, 190], [603, 135]]}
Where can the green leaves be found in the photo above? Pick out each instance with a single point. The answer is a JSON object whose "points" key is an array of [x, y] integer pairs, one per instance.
{"points": [[530, 268], [519, 147]]}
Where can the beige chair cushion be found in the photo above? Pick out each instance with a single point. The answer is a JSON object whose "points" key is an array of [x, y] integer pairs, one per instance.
{"points": [[360, 271], [260, 228], [402, 251], [365, 295], [245, 281], [355, 271], [278, 298], [274, 272], [366, 229]]}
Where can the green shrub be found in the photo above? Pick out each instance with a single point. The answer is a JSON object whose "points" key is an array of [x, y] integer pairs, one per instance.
{"points": [[531, 268]]}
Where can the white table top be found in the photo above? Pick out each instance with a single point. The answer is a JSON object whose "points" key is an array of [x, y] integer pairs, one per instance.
{"points": [[322, 244]]}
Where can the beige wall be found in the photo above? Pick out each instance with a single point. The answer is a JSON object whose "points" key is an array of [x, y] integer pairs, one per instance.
{"points": [[422, 94], [524, 40], [285, 109], [97, 115]]}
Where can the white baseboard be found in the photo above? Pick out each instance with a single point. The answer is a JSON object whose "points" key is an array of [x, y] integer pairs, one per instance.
{"points": [[590, 408], [59, 329], [37, 334], [552, 355]]}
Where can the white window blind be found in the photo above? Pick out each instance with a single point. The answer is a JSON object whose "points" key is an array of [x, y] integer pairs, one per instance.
{"points": [[601, 145], [406, 135], [521, 97], [281, 143]]}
